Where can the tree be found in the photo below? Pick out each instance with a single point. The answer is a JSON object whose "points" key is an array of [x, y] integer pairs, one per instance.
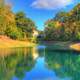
{"points": [[25, 24], [65, 26], [2, 3]]}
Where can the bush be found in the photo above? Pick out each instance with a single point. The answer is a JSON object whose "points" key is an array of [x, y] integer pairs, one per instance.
{"points": [[78, 36], [14, 33]]}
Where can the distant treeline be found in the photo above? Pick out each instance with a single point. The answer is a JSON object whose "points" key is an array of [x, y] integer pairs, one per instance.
{"points": [[15, 25], [65, 26]]}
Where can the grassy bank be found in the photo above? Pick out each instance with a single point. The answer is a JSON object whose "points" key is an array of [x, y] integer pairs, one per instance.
{"points": [[75, 46], [6, 42], [58, 45]]}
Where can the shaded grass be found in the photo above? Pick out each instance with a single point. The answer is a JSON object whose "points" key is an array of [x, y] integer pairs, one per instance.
{"points": [[59, 45], [63, 46]]}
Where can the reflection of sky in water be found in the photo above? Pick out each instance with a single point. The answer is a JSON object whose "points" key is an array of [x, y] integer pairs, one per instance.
{"points": [[41, 47], [40, 72]]}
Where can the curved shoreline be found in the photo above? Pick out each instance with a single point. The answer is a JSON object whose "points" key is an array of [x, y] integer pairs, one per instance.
{"points": [[16, 43], [75, 46]]}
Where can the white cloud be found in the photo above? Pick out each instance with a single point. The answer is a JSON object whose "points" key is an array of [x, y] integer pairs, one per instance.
{"points": [[51, 4]]}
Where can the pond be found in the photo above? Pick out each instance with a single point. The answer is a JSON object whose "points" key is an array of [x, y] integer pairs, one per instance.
{"points": [[39, 63]]}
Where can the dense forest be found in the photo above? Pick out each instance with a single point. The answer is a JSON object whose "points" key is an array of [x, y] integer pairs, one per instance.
{"points": [[14, 25], [65, 26]]}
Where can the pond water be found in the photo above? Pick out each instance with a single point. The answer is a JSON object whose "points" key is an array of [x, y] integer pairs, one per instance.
{"points": [[39, 63]]}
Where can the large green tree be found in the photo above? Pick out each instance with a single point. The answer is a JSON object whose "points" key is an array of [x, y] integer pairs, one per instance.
{"points": [[25, 24]]}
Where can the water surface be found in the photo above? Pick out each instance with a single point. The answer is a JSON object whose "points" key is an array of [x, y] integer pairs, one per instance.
{"points": [[39, 63]]}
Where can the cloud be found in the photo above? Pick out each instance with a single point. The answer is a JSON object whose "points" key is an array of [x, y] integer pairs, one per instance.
{"points": [[51, 4]]}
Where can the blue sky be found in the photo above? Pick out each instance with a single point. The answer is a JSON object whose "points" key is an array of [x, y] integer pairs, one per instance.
{"points": [[42, 10]]}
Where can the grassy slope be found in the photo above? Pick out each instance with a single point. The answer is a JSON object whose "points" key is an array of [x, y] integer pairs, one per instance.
{"points": [[6, 42], [75, 46], [68, 45]]}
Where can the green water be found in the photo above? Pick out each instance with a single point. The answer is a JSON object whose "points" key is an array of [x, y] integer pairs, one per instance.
{"points": [[39, 63]]}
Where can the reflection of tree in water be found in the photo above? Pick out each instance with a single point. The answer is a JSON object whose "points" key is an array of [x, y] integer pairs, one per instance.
{"points": [[65, 64], [26, 63], [16, 63]]}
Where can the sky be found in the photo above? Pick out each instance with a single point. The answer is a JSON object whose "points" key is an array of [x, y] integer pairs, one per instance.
{"points": [[41, 10]]}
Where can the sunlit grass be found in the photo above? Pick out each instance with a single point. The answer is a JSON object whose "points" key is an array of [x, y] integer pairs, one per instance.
{"points": [[76, 46], [9, 43]]}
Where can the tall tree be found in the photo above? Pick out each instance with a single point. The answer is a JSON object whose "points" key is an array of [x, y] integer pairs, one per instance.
{"points": [[26, 24]]}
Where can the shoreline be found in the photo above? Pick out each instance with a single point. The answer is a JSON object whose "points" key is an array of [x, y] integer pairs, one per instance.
{"points": [[75, 46], [63, 45], [9, 43], [21, 45]]}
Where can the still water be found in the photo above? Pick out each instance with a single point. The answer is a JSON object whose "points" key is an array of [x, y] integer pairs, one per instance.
{"points": [[39, 63]]}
